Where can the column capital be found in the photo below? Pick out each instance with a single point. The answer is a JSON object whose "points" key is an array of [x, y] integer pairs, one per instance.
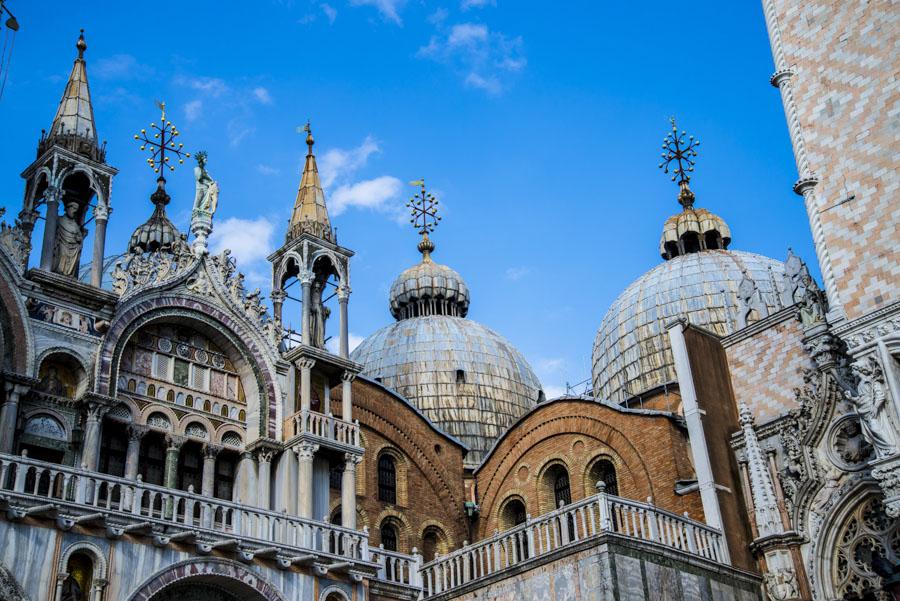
{"points": [[264, 455], [136, 432], [780, 76], [174, 442], [277, 296], [351, 460], [306, 363], [95, 411], [343, 293], [102, 211], [306, 277], [211, 451], [305, 451], [348, 376]]}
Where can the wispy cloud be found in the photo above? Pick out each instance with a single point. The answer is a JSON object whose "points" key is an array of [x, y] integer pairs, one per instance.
{"points": [[330, 12], [485, 59], [517, 273], [250, 240], [267, 169], [213, 86], [193, 109], [389, 9], [262, 95], [467, 4], [339, 163], [237, 129], [120, 66], [375, 194]]}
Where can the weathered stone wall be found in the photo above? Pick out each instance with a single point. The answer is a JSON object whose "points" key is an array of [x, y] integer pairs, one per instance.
{"points": [[767, 365]]}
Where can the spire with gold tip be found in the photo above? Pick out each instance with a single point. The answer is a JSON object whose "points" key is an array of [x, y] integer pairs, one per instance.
{"points": [[310, 213], [423, 207]]}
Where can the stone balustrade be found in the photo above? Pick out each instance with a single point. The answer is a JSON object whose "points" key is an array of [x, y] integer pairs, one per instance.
{"points": [[397, 568], [567, 526], [74, 495], [326, 427]]}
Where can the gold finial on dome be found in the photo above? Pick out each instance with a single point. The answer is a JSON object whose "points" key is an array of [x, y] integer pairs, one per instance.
{"points": [[309, 137], [423, 207], [683, 151]]}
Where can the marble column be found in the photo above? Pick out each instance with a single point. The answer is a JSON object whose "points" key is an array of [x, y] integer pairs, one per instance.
{"points": [[264, 475], [306, 366], [343, 293], [90, 456], [101, 216], [277, 297], [51, 219], [348, 490], [9, 414], [306, 278], [245, 480], [208, 479], [347, 396], [305, 453], [132, 457], [173, 447]]}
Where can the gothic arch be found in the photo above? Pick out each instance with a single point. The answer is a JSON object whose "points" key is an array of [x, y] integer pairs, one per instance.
{"points": [[15, 331], [225, 574], [334, 592], [89, 548], [255, 367]]}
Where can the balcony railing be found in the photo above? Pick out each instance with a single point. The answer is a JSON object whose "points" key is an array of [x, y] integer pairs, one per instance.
{"points": [[326, 427], [596, 515], [137, 504], [397, 568]]}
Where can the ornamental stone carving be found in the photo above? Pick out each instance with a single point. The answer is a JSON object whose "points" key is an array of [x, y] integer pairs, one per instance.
{"points": [[849, 448], [870, 403], [69, 237]]}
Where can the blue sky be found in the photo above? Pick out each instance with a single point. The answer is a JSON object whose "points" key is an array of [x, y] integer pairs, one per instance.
{"points": [[537, 124]]}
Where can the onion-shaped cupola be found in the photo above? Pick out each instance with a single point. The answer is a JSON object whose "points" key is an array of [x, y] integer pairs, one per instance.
{"points": [[463, 376], [701, 280], [158, 233]]}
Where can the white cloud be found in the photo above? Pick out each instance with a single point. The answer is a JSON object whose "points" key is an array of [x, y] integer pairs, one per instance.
{"points": [[120, 66], [552, 392], [549, 365], [389, 9], [373, 194], [267, 169], [467, 4], [485, 59], [517, 273], [438, 16], [262, 95], [338, 163], [330, 12], [334, 343], [193, 109], [237, 130], [491, 85], [213, 86], [250, 240]]}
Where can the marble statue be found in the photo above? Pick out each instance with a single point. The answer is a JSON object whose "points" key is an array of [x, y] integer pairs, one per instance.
{"points": [[318, 315], [869, 401], [69, 237], [51, 383], [812, 301], [71, 591], [206, 197]]}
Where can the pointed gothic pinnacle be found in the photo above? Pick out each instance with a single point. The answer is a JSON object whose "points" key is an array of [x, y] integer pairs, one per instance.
{"points": [[81, 45]]}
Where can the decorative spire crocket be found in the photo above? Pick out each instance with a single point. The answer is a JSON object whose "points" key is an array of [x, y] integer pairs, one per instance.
{"points": [[423, 207], [681, 151]]}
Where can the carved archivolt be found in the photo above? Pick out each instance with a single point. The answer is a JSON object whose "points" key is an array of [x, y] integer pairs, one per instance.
{"points": [[867, 535]]}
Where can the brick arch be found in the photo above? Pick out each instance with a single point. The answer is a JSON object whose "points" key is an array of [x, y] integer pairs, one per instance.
{"points": [[228, 574], [15, 334], [158, 308], [535, 428]]}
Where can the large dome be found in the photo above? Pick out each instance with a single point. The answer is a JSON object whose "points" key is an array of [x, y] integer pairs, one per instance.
{"points": [[463, 376], [631, 351]]}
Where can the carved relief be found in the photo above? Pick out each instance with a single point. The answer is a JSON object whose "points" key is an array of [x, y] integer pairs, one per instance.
{"points": [[867, 537]]}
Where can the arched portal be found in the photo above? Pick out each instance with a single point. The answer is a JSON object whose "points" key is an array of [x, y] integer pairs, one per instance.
{"points": [[206, 580]]}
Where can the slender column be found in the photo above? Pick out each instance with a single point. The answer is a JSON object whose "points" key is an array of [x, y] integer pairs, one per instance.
{"points": [[263, 479], [326, 401], [90, 456], [9, 414], [101, 216], [702, 464], [173, 447], [245, 481], [343, 297], [348, 491], [277, 296], [132, 457], [305, 453], [306, 278], [52, 217], [208, 480], [306, 366], [347, 396]]}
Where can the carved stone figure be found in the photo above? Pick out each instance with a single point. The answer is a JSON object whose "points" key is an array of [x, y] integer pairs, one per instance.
{"points": [[781, 584], [71, 591], [750, 299], [51, 383], [67, 246], [812, 301], [869, 402], [206, 197], [318, 315]]}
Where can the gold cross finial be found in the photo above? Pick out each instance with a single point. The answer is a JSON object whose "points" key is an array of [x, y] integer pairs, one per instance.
{"points": [[160, 142], [423, 207], [681, 149]]}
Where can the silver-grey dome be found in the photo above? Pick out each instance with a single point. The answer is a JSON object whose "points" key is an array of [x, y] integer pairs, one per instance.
{"points": [[429, 288], [631, 351], [463, 376]]}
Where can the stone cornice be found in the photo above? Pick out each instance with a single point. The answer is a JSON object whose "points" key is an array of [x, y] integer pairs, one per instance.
{"points": [[756, 327]]}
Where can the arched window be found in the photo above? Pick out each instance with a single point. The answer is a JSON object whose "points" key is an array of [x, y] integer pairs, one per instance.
{"points": [[151, 390], [434, 541], [242, 415], [189, 401], [389, 536], [603, 471], [512, 514], [387, 479], [80, 577], [562, 493], [152, 464], [113, 448], [132, 385], [170, 396], [691, 242]]}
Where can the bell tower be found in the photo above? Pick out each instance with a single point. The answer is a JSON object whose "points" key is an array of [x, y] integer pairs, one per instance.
{"points": [[312, 258], [70, 173]]}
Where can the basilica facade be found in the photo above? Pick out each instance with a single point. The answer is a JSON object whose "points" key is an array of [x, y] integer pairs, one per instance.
{"points": [[166, 434]]}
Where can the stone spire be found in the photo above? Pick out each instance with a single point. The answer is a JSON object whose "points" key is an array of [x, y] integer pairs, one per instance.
{"points": [[73, 126], [310, 213], [765, 508]]}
